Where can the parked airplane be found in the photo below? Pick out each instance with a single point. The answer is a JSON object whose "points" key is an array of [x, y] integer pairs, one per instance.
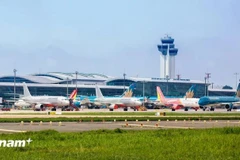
{"points": [[179, 102], [22, 103], [188, 94], [217, 101], [41, 101], [112, 102], [89, 101]]}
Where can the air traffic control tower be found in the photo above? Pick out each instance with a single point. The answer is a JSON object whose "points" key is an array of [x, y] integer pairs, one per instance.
{"points": [[167, 57]]}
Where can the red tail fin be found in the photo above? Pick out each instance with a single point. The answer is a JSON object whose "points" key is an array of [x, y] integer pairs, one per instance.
{"points": [[73, 94], [160, 95]]}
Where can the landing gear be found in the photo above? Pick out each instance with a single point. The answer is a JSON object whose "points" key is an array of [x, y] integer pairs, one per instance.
{"points": [[110, 109], [125, 109], [173, 109], [64, 108], [185, 109], [211, 109]]}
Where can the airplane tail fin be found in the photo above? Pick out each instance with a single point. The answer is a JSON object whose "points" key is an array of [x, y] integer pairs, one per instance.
{"points": [[190, 93], [98, 92], [26, 92], [160, 96], [238, 90], [73, 94], [129, 92]]}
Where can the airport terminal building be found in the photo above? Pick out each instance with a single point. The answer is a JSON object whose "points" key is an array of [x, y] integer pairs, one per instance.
{"points": [[62, 84]]}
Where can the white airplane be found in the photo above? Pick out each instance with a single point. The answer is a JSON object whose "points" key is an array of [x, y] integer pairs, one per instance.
{"points": [[87, 102], [41, 101], [116, 101]]}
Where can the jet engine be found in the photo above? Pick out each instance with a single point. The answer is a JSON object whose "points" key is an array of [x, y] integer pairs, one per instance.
{"points": [[38, 107]]}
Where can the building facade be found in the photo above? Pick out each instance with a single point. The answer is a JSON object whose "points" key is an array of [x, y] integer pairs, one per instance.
{"points": [[62, 84]]}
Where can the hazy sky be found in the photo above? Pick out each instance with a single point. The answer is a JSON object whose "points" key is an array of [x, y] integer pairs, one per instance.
{"points": [[113, 36]]}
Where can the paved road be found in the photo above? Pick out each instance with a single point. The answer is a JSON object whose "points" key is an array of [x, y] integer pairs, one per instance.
{"points": [[119, 110], [86, 126]]}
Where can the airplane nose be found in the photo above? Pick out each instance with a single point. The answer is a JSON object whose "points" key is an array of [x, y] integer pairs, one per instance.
{"points": [[203, 101], [200, 101]]}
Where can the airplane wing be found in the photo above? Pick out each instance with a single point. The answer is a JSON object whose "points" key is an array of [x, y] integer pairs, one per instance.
{"points": [[158, 103], [48, 104], [175, 106], [85, 101], [111, 106], [221, 105], [218, 104], [236, 103], [115, 106]]}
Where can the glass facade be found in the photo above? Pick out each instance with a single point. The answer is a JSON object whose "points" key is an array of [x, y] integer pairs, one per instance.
{"points": [[17, 79], [221, 93], [120, 82], [7, 92], [170, 89]]}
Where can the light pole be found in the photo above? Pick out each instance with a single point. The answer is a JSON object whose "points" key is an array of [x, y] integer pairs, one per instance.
{"points": [[236, 74], [205, 90], [167, 83], [207, 77], [124, 75], [178, 76], [143, 94], [76, 78], [67, 86], [14, 71]]}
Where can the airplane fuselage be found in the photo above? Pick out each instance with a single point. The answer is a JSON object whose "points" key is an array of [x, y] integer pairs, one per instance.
{"points": [[189, 102], [183, 103], [58, 101], [207, 101], [126, 101]]}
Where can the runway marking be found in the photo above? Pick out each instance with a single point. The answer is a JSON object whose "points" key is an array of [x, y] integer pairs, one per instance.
{"points": [[153, 126], [8, 130], [176, 127]]}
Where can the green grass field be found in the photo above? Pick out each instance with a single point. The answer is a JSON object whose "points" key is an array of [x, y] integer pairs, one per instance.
{"points": [[171, 144], [100, 119], [121, 116]]}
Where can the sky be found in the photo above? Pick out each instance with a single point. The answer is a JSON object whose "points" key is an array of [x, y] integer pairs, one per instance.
{"points": [[116, 36]]}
